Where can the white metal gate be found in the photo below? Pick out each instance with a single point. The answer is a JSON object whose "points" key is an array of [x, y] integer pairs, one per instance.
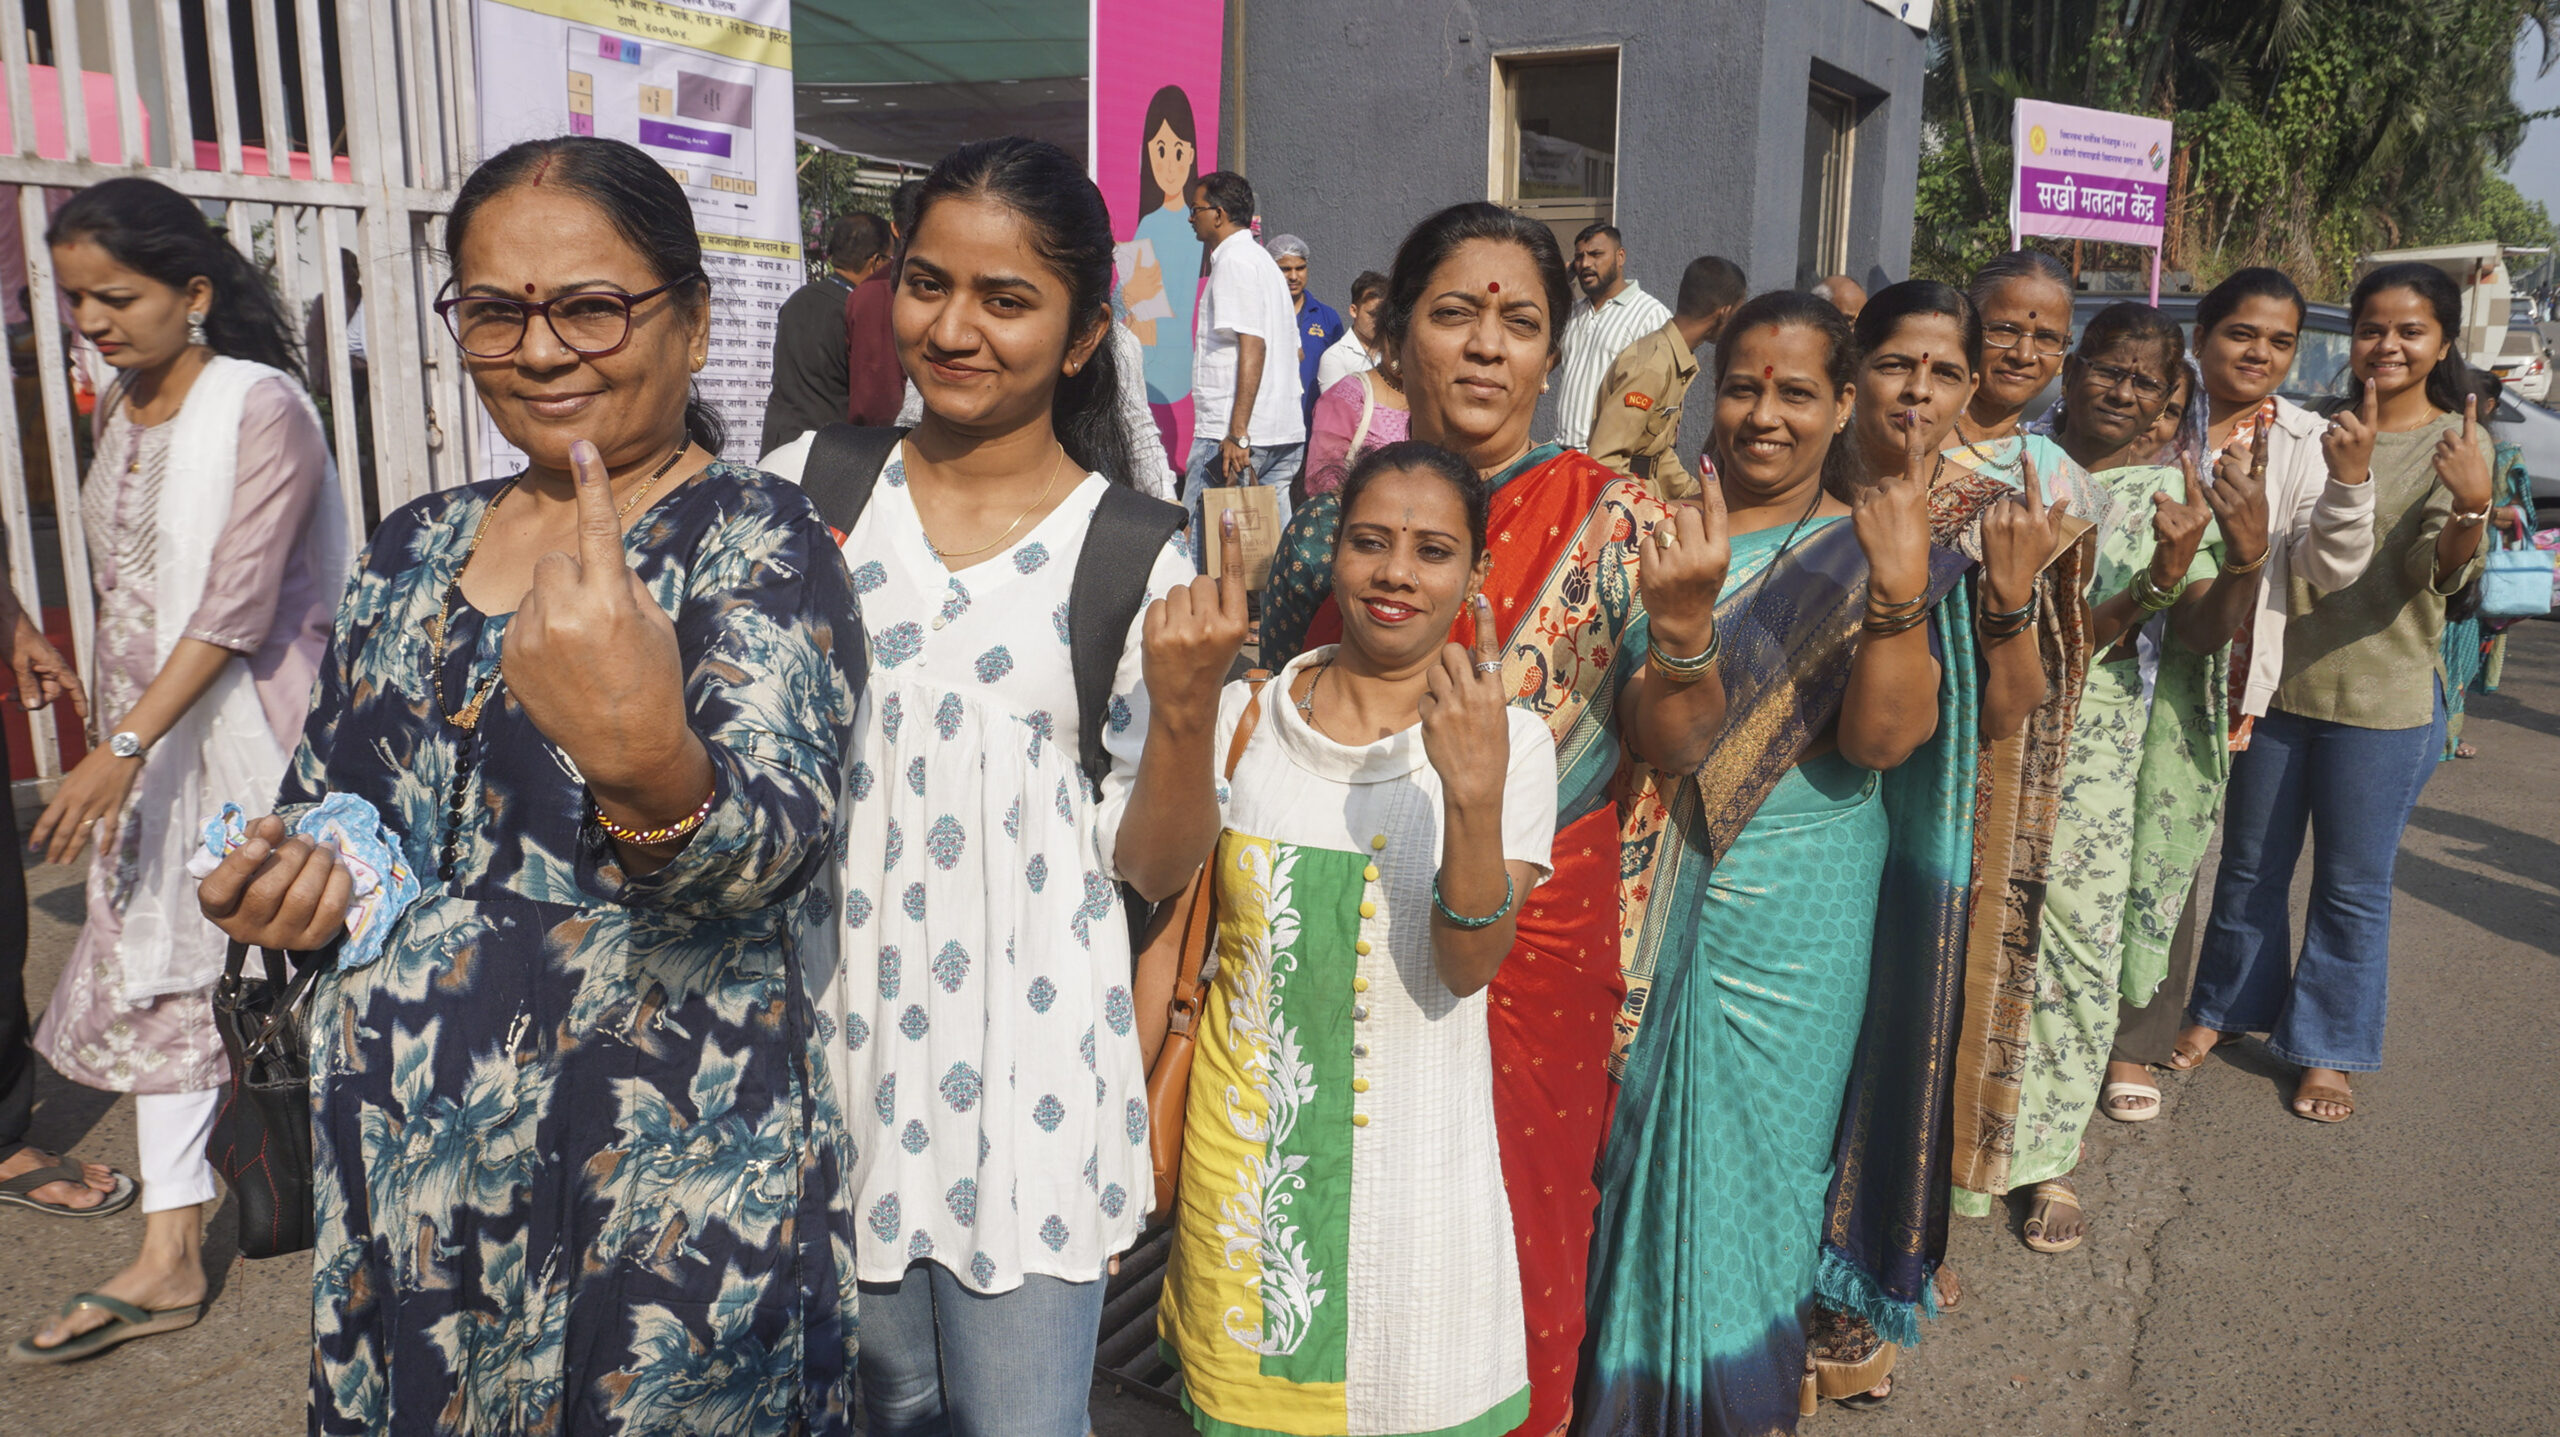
{"points": [[377, 186]]}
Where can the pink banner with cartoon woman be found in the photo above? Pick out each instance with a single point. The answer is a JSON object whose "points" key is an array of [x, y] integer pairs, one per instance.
{"points": [[1156, 80]]}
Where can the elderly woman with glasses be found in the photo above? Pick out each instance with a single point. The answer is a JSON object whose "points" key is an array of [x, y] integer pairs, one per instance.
{"points": [[576, 1157]]}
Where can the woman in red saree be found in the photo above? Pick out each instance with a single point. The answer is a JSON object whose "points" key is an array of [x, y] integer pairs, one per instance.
{"points": [[1472, 321]]}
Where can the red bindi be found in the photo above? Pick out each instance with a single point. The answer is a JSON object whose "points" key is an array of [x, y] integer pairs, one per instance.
{"points": [[1768, 371], [1493, 286], [528, 289]]}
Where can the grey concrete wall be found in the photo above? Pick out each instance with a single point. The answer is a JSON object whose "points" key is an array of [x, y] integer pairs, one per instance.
{"points": [[1362, 116]]}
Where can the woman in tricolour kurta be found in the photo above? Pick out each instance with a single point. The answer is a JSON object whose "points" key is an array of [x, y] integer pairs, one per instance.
{"points": [[1474, 315]]}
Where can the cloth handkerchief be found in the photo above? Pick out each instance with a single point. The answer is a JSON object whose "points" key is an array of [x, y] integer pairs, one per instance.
{"points": [[384, 885]]}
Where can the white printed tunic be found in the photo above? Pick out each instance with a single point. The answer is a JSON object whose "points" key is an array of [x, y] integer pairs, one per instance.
{"points": [[984, 1034]]}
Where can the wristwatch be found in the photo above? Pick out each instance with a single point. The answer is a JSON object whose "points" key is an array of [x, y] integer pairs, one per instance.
{"points": [[127, 744]]}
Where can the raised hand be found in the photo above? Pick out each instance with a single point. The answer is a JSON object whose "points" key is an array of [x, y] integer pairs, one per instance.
{"points": [[2019, 535], [2238, 497], [2460, 466], [1680, 571], [1466, 724], [592, 656], [1191, 636], [1892, 519], [2348, 442], [278, 892], [2177, 528]]}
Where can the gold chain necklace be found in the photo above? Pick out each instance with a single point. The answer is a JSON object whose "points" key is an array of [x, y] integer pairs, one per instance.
{"points": [[942, 553], [467, 717]]}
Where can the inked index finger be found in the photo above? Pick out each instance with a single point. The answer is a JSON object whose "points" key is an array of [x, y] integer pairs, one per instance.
{"points": [[1486, 649], [1915, 448], [2471, 419], [599, 528]]}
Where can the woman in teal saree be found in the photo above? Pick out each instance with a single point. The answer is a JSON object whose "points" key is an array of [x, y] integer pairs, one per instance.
{"points": [[1756, 936]]}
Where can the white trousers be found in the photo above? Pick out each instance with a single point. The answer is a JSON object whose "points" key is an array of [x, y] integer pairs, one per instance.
{"points": [[171, 1129]]}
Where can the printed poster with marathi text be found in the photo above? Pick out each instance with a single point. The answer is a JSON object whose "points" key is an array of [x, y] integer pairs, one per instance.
{"points": [[704, 87], [2090, 174]]}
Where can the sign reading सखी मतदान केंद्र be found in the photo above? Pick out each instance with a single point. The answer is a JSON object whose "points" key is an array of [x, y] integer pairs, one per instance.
{"points": [[703, 88], [2090, 174]]}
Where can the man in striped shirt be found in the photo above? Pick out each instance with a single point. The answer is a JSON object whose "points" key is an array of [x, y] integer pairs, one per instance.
{"points": [[1614, 312]]}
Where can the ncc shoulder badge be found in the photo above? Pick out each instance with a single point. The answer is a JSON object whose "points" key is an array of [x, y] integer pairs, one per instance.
{"points": [[1639, 401]]}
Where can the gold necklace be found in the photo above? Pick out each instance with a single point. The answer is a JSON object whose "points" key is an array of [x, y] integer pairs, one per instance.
{"points": [[467, 717], [947, 554]]}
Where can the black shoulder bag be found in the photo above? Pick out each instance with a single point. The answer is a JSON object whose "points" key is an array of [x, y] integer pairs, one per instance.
{"points": [[261, 1140]]}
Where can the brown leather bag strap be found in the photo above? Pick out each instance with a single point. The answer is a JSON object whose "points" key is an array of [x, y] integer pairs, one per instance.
{"points": [[1189, 979]]}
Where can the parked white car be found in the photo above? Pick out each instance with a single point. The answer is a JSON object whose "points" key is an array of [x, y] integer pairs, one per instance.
{"points": [[2526, 364]]}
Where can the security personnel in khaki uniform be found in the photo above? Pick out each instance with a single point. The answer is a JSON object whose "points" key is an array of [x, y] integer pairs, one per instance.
{"points": [[1636, 429]]}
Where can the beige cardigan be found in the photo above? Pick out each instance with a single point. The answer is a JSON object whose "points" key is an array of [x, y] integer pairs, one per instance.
{"points": [[2317, 529]]}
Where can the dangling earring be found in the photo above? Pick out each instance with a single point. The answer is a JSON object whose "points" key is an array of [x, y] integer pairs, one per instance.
{"points": [[195, 328]]}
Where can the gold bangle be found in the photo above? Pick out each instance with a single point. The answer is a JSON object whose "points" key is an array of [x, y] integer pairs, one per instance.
{"points": [[651, 837], [2254, 565]]}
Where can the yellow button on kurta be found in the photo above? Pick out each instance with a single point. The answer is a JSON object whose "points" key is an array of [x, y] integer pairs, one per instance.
{"points": [[1360, 985], [1378, 841], [1359, 1120], [1361, 947], [1368, 910], [1369, 874], [1359, 1085]]}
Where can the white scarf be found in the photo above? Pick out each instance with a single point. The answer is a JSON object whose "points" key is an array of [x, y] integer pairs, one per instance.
{"points": [[222, 750]]}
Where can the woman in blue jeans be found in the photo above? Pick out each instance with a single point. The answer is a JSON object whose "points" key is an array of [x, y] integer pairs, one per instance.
{"points": [[2358, 717]]}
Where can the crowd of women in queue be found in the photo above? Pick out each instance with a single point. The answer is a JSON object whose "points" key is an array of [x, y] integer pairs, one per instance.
{"points": [[1557, 1072]]}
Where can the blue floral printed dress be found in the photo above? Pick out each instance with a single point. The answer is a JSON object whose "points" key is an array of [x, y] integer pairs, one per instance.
{"points": [[576, 1154]]}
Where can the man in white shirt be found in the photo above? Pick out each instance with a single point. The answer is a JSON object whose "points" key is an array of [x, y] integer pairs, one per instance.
{"points": [[1246, 426], [1357, 350], [1614, 312]]}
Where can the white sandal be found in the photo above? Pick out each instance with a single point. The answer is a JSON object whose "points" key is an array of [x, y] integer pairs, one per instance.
{"points": [[2107, 1101]]}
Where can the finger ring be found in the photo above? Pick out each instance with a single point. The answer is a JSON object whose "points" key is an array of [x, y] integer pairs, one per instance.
{"points": [[1488, 666]]}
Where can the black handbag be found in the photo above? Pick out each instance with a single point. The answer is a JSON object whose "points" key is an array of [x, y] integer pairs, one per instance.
{"points": [[261, 1141]]}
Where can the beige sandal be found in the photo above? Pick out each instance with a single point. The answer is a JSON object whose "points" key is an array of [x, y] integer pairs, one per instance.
{"points": [[2107, 1102], [2046, 1194]]}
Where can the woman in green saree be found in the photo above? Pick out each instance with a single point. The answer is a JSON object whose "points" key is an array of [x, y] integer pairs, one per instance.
{"points": [[2143, 777], [1757, 932]]}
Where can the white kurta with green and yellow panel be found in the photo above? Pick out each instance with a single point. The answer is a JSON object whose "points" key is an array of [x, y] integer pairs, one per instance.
{"points": [[1343, 1261]]}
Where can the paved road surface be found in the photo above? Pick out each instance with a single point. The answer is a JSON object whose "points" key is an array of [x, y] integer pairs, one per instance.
{"points": [[2247, 1272]]}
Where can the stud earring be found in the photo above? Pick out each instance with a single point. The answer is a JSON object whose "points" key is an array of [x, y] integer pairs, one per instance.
{"points": [[195, 328]]}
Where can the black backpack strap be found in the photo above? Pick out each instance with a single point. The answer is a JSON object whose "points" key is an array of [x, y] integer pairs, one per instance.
{"points": [[844, 461], [1128, 531]]}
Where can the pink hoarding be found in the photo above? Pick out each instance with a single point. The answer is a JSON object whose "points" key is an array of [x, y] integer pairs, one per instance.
{"points": [[1156, 80]]}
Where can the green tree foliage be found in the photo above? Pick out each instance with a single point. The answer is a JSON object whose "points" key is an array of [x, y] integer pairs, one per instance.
{"points": [[2308, 131], [832, 183]]}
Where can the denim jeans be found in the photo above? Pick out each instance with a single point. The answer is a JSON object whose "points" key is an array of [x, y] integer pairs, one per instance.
{"points": [[941, 1361], [2353, 789], [1274, 464]]}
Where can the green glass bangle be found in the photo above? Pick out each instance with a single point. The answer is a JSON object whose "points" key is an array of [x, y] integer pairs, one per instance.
{"points": [[1689, 670], [1472, 923], [2150, 597]]}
